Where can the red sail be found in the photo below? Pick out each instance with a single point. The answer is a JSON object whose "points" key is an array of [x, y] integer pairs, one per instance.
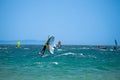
{"points": [[59, 44]]}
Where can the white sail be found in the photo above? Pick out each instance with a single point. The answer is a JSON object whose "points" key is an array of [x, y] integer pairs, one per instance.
{"points": [[51, 44]]}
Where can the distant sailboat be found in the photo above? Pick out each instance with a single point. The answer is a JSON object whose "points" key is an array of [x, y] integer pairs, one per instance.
{"points": [[102, 47], [115, 47], [59, 44], [18, 44]]}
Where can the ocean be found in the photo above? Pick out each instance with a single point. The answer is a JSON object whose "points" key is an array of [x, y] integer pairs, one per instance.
{"points": [[69, 62]]}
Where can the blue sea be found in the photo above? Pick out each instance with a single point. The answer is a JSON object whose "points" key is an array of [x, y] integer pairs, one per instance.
{"points": [[67, 63]]}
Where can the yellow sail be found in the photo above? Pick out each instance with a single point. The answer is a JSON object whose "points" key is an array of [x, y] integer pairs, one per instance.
{"points": [[18, 44]]}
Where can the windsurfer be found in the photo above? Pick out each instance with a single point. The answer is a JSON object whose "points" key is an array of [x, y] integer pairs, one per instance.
{"points": [[59, 44], [45, 46], [18, 44], [43, 50]]}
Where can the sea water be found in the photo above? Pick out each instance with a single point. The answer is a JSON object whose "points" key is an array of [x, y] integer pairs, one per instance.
{"points": [[67, 63]]}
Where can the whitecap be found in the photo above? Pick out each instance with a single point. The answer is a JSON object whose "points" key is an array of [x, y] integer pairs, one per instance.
{"points": [[45, 55], [85, 48], [81, 55], [26, 48], [3, 48], [59, 49], [65, 54], [103, 49], [56, 63], [69, 53]]}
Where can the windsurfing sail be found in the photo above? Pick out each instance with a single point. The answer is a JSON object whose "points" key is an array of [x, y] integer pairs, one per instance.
{"points": [[51, 44], [59, 44], [115, 47], [48, 45], [116, 43], [18, 44]]}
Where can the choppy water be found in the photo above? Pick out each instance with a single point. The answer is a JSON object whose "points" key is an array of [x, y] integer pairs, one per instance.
{"points": [[68, 63]]}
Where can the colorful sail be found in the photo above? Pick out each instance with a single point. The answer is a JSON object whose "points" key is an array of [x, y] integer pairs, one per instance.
{"points": [[18, 44], [49, 45], [59, 44]]}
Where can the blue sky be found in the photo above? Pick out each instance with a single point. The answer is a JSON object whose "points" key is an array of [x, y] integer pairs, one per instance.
{"points": [[71, 21]]}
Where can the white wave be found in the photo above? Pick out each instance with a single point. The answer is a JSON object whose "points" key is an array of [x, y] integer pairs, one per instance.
{"points": [[85, 48], [26, 48], [81, 55], [46, 63], [65, 54], [45, 55], [103, 49], [92, 56], [69, 53], [3, 48], [59, 49], [56, 63]]}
